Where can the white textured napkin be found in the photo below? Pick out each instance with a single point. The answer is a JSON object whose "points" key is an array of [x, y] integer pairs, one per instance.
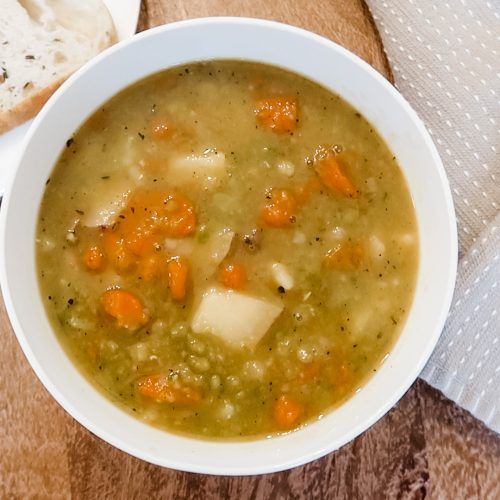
{"points": [[445, 56]]}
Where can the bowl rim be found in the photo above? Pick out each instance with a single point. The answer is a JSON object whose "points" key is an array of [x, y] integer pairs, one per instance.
{"points": [[365, 422]]}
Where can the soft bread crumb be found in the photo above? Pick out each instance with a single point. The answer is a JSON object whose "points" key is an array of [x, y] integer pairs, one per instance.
{"points": [[41, 43]]}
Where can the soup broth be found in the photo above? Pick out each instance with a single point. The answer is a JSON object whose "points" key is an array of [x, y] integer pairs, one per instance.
{"points": [[227, 249]]}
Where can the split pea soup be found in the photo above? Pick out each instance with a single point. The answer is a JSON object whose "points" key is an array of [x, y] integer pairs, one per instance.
{"points": [[227, 249]]}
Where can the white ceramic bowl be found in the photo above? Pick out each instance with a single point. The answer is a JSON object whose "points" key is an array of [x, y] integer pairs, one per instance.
{"points": [[304, 53]]}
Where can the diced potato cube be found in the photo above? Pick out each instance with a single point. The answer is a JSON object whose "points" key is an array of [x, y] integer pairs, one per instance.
{"points": [[204, 170], [282, 276], [299, 238], [286, 168], [238, 319], [218, 246], [377, 247], [183, 247], [337, 233], [207, 256], [105, 202]]}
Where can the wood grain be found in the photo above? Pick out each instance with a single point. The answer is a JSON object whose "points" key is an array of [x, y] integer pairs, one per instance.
{"points": [[347, 22], [425, 446]]}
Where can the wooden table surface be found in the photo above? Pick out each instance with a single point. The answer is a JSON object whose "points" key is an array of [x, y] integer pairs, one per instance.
{"points": [[426, 446]]}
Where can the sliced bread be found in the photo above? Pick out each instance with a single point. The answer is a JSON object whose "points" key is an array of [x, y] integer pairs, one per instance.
{"points": [[41, 43]]}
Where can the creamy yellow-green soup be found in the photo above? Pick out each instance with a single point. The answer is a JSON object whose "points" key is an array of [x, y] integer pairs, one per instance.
{"points": [[227, 249]]}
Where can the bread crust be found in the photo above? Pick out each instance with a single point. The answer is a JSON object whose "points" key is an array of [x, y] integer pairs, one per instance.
{"points": [[29, 107]]}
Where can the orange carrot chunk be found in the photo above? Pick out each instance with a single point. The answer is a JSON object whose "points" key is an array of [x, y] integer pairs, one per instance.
{"points": [[331, 173], [179, 219], [168, 213], [345, 256], [125, 308], [164, 390], [280, 114], [309, 371], [342, 378], [139, 242], [151, 267], [160, 128], [148, 217], [280, 208], [306, 191], [287, 412], [143, 224], [119, 256], [177, 269], [93, 258], [233, 275]]}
